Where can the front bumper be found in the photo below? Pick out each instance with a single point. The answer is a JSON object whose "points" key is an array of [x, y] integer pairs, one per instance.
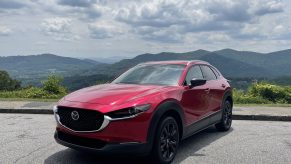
{"points": [[101, 147], [114, 131]]}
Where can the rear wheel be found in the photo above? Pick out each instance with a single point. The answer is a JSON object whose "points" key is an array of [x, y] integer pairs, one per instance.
{"points": [[166, 141], [226, 119]]}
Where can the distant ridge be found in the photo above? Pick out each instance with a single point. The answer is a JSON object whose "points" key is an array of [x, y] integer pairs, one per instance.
{"points": [[232, 63], [40, 65]]}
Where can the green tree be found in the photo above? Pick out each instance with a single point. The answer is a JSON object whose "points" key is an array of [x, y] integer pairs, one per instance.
{"points": [[53, 85], [7, 83]]}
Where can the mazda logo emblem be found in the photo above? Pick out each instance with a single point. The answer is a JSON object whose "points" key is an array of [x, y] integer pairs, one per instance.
{"points": [[75, 115]]}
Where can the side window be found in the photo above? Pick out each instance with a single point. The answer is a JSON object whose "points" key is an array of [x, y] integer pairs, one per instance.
{"points": [[208, 73], [193, 72], [215, 71]]}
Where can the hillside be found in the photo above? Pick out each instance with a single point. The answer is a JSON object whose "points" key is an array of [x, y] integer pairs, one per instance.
{"points": [[277, 63], [232, 63], [36, 66], [84, 72]]}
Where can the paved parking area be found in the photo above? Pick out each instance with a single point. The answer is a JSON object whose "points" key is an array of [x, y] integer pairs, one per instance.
{"points": [[239, 112], [28, 138]]}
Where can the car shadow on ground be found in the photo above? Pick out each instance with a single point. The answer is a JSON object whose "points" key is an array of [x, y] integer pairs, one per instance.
{"points": [[188, 147]]}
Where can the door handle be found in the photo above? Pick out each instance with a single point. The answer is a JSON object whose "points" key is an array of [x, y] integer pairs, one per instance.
{"points": [[223, 85], [207, 90]]}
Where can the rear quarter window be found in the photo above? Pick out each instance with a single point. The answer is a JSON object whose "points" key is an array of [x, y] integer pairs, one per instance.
{"points": [[217, 73], [208, 73]]}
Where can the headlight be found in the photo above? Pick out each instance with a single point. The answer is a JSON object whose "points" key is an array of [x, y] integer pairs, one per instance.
{"points": [[128, 112], [55, 109]]}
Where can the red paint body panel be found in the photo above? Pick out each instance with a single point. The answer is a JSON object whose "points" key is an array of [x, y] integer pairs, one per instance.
{"points": [[130, 130], [195, 103]]}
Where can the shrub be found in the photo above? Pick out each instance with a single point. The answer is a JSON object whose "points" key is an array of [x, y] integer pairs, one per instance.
{"points": [[271, 92], [242, 98], [263, 93], [53, 85], [51, 89], [7, 83], [32, 92]]}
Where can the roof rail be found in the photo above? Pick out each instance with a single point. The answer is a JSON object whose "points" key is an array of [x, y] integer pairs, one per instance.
{"points": [[191, 61]]}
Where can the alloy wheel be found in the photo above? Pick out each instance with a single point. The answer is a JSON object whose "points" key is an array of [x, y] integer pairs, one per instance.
{"points": [[169, 139], [227, 115]]}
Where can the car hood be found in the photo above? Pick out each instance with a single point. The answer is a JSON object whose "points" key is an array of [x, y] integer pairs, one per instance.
{"points": [[112, 94]]}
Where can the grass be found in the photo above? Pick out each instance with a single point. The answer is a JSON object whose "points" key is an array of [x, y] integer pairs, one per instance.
{"points": [[32, 93], [258, 94], [29, 99], [56, 100]]}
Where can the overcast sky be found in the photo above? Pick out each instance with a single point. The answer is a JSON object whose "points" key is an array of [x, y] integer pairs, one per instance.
{"points": [[100, 28]]}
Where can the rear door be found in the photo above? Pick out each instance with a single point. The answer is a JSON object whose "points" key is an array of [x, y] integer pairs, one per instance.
{"points": [[216, 89]]}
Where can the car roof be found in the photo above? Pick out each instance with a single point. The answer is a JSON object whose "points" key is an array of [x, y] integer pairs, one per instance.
{"points": [[182, 62]]}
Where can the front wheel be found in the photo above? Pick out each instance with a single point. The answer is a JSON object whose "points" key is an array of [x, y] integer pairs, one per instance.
{"points": [[166, 141], [226, 120]]}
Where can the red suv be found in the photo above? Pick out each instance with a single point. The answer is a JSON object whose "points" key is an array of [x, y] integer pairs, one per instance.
{"points": [[147, 110]]}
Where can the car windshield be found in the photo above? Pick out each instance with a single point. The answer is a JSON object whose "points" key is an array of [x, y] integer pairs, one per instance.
{"points": [[155, 74]]}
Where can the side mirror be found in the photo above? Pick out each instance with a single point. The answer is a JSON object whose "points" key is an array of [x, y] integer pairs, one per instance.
{"points": [[197, 82]]}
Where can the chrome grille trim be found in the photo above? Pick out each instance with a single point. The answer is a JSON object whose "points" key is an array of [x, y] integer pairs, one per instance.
{"points": [[105, 123]]}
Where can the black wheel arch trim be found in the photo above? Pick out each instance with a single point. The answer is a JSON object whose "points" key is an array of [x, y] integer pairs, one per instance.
{"points": [[227, 93], [160, 111]]}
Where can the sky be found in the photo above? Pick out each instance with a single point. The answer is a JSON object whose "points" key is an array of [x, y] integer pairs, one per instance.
{"points": [[114, 28]]}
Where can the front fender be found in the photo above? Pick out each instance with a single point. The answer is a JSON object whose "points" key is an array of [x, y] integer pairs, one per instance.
{"points": [[168, 106]]}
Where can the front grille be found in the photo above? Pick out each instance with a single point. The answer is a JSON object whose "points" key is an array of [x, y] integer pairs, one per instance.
{"points": [[88, 120], [86, 142]]}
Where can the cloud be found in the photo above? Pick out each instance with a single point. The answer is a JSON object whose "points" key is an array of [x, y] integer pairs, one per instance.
{"points": [[168, 24], [77, 3], [93, 12], [165, 13], [151, 14], [165, 35], [90, 13], [5, 31], [86, 10], [57, 25], [225, 10], [218, 37], [279, 29], [59, 28], [194, 16], [281, 32], [267, 7], [101, 30], [11, 4]]}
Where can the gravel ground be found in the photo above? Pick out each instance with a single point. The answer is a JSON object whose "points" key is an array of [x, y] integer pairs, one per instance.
{"points": [[26, 138]]}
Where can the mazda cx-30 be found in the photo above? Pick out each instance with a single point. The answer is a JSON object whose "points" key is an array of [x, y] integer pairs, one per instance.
{"points": [[147, 110]]}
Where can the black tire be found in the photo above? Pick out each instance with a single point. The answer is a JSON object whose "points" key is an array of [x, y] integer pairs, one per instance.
{"points": [[226, 120], [166, 141]]}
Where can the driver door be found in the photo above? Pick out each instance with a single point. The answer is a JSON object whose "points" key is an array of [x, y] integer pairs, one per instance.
{"points": [[195, 100]]}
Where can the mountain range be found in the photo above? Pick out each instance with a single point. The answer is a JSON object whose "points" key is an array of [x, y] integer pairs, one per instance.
{"points": [[37, 66], [232, 64]]}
